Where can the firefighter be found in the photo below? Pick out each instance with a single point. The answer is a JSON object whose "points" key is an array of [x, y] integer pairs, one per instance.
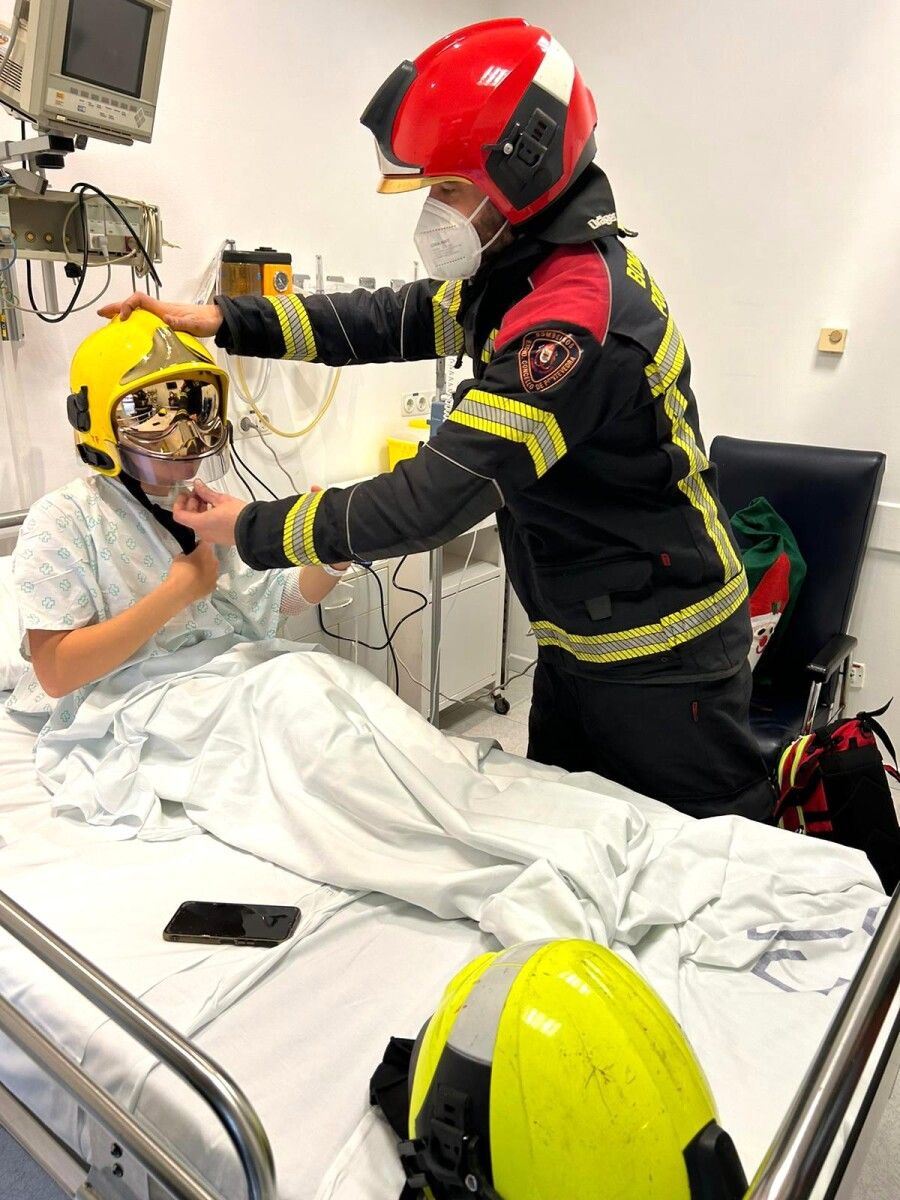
{"points": [[579, 429]]}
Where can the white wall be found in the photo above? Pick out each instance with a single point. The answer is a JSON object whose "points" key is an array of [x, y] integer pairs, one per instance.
{"points": [[258, 138], [756, 147]]}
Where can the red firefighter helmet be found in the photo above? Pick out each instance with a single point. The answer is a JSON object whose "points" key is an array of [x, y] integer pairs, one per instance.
{"points": [[500, 104]]}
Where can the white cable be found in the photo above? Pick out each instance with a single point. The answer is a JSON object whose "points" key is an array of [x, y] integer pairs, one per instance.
{"points": [[454, 597]]}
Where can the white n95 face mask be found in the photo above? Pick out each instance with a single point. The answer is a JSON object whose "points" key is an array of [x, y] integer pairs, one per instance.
{"points": [[448, 242]]}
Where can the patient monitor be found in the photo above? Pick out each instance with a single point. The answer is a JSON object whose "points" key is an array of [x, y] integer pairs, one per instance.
{"points": [[85, 66]]}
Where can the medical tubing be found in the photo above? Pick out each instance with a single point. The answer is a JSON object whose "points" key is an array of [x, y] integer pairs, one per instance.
{"points": [[239, 379], [218, 1089], [295, 433]]}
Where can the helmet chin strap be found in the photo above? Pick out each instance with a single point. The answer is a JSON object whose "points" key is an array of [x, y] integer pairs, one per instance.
{"points": [[186, 538]]}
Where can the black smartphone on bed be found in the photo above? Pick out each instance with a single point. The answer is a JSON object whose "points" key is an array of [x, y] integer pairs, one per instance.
{"points": [[232, 924]]}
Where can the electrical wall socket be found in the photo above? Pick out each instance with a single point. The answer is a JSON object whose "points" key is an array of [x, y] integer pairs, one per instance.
{"points": [[857, 677], [414, 402]]}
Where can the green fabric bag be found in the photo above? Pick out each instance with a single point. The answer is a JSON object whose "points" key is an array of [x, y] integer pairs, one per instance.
{"points": [[775, 572]]}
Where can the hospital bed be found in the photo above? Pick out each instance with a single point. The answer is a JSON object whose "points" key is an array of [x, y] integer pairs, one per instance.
{"points": [[279, 1076]]}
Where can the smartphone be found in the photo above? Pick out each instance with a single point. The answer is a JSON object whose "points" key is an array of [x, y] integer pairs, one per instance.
{"points": [[232, 924]]}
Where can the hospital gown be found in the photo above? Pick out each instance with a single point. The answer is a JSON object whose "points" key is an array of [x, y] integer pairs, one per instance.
{"points": [[89, 551]]}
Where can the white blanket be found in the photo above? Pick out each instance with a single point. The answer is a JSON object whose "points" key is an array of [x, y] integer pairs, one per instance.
{"points": [[749, 934]]}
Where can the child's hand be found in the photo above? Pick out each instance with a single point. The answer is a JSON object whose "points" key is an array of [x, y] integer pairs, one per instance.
{"points": [[193, 576], [212, 515]]}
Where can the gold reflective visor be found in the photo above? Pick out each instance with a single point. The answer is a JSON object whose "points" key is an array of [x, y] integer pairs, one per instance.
{"points": [[169, 415], [392, 184]]}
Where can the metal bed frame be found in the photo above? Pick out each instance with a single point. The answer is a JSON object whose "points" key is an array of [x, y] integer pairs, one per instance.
{"points": [[863, 1040]]}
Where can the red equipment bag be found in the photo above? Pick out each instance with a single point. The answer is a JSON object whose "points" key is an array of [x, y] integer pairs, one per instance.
{"points": [[833, 784]]}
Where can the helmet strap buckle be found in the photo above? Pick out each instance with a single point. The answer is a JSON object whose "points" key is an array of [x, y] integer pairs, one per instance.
{"points": [[447, 1157]]}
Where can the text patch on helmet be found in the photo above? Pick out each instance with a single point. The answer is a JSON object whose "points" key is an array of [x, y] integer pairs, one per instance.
{"points": [[545, 358]]}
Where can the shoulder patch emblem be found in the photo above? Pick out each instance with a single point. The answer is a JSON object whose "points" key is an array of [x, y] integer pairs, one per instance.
{"points": [[546, 357]]}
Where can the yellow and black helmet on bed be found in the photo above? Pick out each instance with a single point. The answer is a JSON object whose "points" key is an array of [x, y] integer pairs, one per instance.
{"points": [[149, 402], [552, 1071]]}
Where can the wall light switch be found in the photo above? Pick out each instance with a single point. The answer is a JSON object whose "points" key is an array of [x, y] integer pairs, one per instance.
{"points": [[833, 341]]}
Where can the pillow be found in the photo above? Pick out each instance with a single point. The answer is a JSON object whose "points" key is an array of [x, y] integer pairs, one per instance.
{"points": [[12, 664]]}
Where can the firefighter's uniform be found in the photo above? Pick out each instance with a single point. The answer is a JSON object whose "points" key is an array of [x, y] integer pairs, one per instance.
{"points": [[580, 430]]}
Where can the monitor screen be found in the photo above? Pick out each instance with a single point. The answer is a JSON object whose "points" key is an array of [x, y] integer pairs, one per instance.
{"points": [[106, 42]]}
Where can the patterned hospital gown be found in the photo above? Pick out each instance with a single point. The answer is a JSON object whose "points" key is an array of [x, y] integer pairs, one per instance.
{"points": [[89, 551]]}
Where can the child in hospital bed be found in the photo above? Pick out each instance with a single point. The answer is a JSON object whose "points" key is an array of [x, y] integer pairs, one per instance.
{"points": [[101, 579]]}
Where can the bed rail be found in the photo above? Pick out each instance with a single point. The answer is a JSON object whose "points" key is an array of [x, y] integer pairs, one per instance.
{"points": [[12, 520], [795, 1161], [231, 1106]]}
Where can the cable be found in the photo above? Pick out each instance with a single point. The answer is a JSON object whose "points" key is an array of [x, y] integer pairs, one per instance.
{"points": [[252, 474], [280, 464], [246, 485], [81, 188], [455, 595], [326, 404], [105, 262], [33, 312], [70, 308], [387, 644], [15, 258]]}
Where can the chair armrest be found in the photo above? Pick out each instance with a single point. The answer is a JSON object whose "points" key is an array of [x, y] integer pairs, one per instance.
{"points": [[830, 657]]}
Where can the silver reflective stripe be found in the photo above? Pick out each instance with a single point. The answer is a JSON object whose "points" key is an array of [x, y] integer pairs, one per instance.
{"points": [[474, 1032], [669, 360], [448, 335], [522, 425], [670, 631]]}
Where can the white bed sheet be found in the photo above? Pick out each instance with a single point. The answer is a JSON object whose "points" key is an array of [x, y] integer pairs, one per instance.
{"points": [[303, 1046], [302, 1041]]}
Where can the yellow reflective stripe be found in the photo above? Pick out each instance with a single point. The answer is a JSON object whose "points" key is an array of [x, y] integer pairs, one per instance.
{"points": [[297, 537], [670, 631], [781, 763], [534, 428], [801, 750], [299, 340], [448, 335], [693, 486], [487, 350], [667, 365], [668, 361]]}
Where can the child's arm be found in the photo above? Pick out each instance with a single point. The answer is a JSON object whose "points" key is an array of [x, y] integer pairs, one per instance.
{"points": [[64, 660], [315, 584]]}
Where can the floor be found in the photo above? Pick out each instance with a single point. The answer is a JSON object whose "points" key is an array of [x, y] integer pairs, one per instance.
{"points": [[21, 1179]]}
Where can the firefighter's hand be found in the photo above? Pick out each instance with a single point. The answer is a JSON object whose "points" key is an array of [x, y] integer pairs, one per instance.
{"points": [[217, 520], [201, 320]]}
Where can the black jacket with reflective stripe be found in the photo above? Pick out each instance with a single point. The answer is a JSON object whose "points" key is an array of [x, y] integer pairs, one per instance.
{"points": [[579, 429]]}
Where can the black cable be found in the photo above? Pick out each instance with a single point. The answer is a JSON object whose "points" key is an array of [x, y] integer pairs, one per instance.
{"points": [[252, 474], [386, 645], [55, 320], [247, 486], [389, 643], [112, 204]]}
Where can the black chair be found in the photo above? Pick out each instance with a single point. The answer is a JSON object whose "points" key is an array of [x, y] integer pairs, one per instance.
{"points": [[828, 499]]}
